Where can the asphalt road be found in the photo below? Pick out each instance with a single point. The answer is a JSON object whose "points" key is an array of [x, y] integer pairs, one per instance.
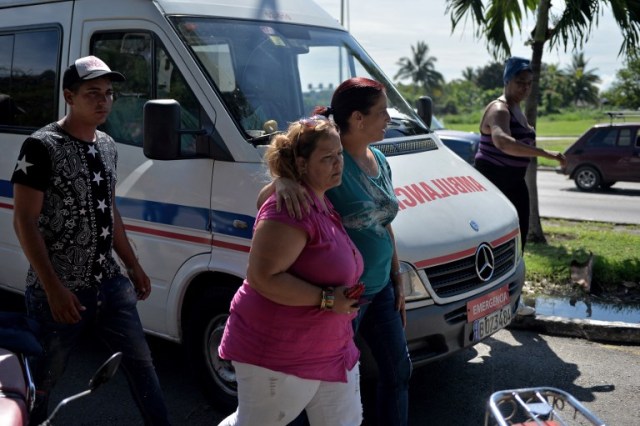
{"points": [[559, 198], [450, 392]]}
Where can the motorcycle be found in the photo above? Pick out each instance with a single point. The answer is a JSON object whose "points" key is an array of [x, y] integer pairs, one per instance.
{"points": [[18, 342]]}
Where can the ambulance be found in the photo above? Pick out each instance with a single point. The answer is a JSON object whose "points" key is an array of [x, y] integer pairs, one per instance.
{"points": [[208, 83]]}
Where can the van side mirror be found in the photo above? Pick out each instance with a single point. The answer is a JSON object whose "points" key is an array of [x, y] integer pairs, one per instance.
{"points": [[163, 133], [425, 109], [161, 122]]}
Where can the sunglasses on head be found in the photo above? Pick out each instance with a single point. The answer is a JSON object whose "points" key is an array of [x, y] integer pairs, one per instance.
{"points": [[311, 123]]}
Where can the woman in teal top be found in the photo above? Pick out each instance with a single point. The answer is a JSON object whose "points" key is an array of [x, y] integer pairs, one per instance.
{"points": [[367, 205]]}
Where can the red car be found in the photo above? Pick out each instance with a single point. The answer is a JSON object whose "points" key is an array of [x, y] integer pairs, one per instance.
{"points": [[604, 155]]}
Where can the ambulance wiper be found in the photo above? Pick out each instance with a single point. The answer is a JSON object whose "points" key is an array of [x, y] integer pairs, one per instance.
{"points": [[264, 139]]}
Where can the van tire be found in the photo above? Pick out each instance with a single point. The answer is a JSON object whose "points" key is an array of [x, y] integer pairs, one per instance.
{"points": [[587, 178], [203, 333]]}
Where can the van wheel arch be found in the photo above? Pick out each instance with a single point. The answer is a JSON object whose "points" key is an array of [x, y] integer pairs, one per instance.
{"points": [[204, 315]]}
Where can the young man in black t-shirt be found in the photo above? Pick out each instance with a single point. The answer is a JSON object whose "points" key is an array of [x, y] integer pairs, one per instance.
{"points": [[66, 220]]}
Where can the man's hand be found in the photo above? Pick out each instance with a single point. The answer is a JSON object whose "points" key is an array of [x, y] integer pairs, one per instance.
{"points": [[140, 281], [65, 306]]}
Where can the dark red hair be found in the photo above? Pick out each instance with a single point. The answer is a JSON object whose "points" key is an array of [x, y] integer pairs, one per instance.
{"points": [[354, 94]]}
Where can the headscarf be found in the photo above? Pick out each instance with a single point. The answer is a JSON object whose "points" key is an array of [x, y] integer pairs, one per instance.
{"points": [[513, 66]]}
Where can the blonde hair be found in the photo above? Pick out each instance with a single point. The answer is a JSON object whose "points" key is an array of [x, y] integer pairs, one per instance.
{"points": [[300, 140]]}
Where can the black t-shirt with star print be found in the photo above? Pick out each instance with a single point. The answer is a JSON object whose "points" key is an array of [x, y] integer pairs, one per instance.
{"points": [[78, 179]]}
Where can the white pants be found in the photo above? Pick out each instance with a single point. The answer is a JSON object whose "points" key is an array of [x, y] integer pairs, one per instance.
{"points": [[267, 397]]}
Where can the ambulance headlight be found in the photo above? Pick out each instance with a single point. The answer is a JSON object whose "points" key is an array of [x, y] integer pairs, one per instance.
{"points": [[414, 289], [519, 254]]}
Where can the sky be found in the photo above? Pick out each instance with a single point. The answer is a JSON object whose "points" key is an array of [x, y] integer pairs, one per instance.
{"points": [[388, 28]]}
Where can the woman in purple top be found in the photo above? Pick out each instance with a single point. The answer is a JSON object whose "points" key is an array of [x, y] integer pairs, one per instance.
{"points": [[289, 333], [507, 141]]}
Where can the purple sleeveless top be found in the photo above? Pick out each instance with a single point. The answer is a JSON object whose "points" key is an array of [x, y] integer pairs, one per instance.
{"points": [[488, 152]]}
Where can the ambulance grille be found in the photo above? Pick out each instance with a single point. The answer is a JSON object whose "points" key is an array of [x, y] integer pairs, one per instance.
{"points": [[458, 277], [390, 149]]}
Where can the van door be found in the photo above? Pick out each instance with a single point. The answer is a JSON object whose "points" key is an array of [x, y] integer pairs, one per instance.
{"points": [[165, 205]]}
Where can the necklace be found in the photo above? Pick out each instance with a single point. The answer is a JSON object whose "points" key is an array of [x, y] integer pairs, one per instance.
{"points": [[369, 168]]}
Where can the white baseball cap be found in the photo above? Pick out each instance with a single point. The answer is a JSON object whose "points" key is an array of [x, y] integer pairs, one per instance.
{"points": [[88, 68]]}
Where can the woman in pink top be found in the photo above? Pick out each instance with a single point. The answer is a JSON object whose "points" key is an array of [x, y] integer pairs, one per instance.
{"points": [[289, 333]]}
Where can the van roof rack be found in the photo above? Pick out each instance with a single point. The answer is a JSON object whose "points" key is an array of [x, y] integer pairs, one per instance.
{"points": [[621, 115]]}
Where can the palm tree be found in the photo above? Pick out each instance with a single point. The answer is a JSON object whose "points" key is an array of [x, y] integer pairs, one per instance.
{"points": [[496, 22], [582, 81], [420, 68], [468, 74]]}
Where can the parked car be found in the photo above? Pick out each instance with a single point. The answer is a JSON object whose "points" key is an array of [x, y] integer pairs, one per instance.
{"points": [[465, 144], [604, 155]]}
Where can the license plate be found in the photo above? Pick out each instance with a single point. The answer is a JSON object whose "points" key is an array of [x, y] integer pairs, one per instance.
{"points": [[488, 325], [489, 313]]}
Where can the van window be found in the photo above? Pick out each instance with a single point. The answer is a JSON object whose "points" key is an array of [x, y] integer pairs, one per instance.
{"points": [[271, 74], [150, 74], [28, 78]]}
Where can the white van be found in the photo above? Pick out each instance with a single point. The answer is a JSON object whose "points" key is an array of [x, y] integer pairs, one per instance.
{"points": [[238, 70]]}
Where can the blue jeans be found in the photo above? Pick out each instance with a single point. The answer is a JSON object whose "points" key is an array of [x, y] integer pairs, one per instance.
{"points": [[380, 325], [111, 313]]}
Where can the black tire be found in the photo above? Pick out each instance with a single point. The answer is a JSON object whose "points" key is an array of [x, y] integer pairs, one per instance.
{"points": [[587, 178], [203, 332]]}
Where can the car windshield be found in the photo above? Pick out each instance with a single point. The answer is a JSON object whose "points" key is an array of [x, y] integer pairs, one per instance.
{"points": [[271, 74]]}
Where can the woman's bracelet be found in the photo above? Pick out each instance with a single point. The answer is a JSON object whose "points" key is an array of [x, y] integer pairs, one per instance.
{"points": [[328, 297]]}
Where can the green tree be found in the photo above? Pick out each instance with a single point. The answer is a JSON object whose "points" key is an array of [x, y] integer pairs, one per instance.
{"points": [[420, 68], [625, 90], [554, 89], [582, 81], [496, 21], [468, 74], [490, 76]]}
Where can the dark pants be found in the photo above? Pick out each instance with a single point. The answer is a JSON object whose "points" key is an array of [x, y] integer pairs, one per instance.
{"points": [[111, 312], [510, 181], [380, 325]]}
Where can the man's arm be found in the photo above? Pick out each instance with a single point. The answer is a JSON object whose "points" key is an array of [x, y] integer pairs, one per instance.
{"points": [[65, 306], [125, 252]]}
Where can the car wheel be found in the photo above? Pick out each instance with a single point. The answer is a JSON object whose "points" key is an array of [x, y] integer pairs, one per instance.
{"points": [[203, 334], [587, 178]]}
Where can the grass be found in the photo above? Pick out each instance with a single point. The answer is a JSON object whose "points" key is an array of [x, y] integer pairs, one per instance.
{"points": [[616, 250]]}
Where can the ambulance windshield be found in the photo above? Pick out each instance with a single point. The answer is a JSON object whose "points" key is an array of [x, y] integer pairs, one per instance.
{"points": [[270, 74]]}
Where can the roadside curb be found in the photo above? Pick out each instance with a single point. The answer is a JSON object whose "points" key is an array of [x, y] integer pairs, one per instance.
{"points": [[595, 330]]}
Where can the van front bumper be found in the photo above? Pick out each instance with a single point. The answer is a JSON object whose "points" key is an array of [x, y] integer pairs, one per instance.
{"points": [[436, 331]]}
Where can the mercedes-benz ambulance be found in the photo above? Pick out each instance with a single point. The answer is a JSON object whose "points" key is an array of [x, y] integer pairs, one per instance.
{"points": [[219, 77]]}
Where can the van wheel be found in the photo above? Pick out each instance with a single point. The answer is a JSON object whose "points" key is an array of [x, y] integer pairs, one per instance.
{"points": [[203, 333], [587, 178]]}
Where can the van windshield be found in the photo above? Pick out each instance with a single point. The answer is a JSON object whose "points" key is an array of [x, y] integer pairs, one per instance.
{"points": [[270, 74]]}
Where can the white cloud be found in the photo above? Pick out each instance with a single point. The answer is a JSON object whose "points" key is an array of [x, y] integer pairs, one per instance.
{"points": [[388, 29]]}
